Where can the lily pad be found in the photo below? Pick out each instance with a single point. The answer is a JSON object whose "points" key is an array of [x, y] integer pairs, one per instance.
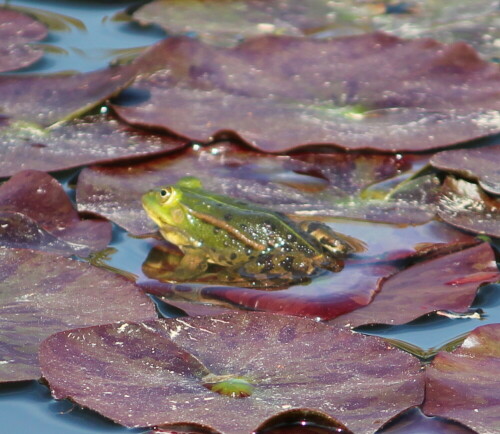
{"points": [[35, 202], [467, 206], [325, 297], [42, 293], [479, 164], [372, 91], [156, 372], [92, 139], [47, 99], [226, 22], [16, 31], [445, 283], [305, 184], [461, 385]]}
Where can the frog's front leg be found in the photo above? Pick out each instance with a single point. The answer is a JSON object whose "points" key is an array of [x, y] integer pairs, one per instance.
{"points": [[192, 265]]}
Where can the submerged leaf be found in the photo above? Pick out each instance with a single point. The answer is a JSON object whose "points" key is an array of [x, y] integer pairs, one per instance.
{"points": [[16, 31], [41, 294], [447, 282], [465, 205], [153, 373], [462, 385], [372, 91], [92, 139], [37, 213]]}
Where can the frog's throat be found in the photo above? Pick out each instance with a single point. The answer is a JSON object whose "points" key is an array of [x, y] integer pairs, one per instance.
{"points": [[230, 229]]}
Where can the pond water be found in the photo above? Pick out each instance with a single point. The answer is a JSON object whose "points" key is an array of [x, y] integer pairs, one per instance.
{"points": [[87, 35]]}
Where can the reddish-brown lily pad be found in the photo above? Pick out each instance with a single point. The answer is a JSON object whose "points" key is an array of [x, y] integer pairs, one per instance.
{"points": [[41, 200], [92, 139], [479, 164], [41, 294], [463, 384], [372, 91], [166, 371], [466, 206], [325, 297], [306, 184], [445, 283], [16, 31]]}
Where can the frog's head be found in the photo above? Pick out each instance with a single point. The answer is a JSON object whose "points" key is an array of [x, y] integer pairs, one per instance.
{"points": [[164, 204]]}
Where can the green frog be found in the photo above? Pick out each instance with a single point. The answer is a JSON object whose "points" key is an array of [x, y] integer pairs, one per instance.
{"points": [[250, 242]]}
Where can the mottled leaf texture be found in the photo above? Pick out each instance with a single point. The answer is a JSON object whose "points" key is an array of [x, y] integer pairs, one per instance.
{"points": [[42, 293], [373, 91], [157, 372], [16, 31], [463, 385]]}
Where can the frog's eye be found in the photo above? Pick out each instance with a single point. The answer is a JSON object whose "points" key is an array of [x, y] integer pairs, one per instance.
{"points": [[165, 194]]}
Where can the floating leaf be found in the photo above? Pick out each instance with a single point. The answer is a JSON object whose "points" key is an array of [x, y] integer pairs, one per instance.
{"points": [[16, 30], [413, 421], [153, 373], [478, 164], [372, 91], [461, 385], [41, 294], [93, 139], [465, 205], [447, 282], [47, 99], [36, 213], [305, 184], [325, 297], [226, 22]]}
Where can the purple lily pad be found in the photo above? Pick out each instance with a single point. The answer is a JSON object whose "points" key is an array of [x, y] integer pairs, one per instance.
{"points": [[325, 297], [158, 372], [47, 99], [462, 385], [372, 91], [36, 202], [42, 293], [16, 31], [227, 22], [305, 184], [413, 421], [93, 139], [444, 283], [466, 206], [479, 164]]}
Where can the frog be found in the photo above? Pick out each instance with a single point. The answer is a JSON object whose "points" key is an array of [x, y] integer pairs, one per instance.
{"points": [[251, 243]]}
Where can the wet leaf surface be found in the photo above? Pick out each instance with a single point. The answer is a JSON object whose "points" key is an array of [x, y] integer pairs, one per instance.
{"points": [[466, 206], [427, 95], [17, 30], [228, 22], [479, 164], [43, 293], [325, 297], [92, 139], [51, 98], [444, 283], [153, 373], [305, 184], [413, 421], [461, 385], [36, 213]]}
